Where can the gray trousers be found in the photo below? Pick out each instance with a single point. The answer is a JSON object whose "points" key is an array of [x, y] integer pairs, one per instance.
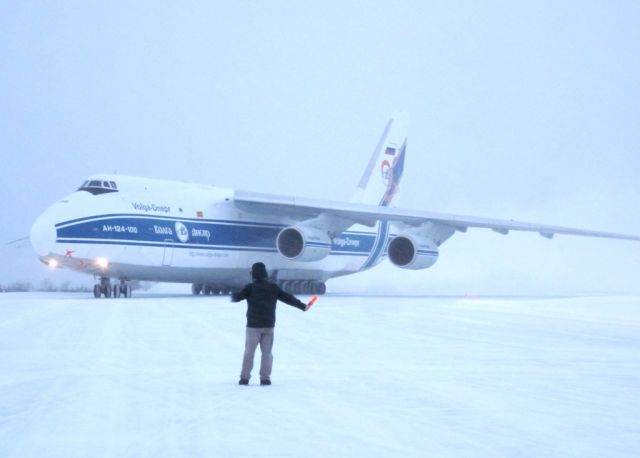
{"points": [[255, 336]]}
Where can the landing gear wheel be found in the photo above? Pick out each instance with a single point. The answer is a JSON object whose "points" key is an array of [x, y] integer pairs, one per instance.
{"points": [[321, 289], [97, 291], [196, 289], [307, 287], [116, 291]]}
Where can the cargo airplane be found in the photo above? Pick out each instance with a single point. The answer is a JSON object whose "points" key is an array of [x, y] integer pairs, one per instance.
{"points": [[122, 228]]}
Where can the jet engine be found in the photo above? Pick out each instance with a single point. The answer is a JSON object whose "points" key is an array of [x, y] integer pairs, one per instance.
{"points": [[303, 243], [411, 251]]}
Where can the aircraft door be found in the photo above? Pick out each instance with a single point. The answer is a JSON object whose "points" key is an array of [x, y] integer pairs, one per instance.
{"points": [[167, 257]]}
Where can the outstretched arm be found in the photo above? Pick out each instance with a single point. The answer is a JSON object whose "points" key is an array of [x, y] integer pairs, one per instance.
{"points": [[240, 295], [291, 300]]}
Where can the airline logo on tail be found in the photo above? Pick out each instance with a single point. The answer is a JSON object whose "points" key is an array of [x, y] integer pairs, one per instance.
{"points": [[387, 160], [391, 169], [385, 167]]}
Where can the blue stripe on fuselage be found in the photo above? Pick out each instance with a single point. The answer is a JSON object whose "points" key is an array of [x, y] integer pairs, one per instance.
{"points": [[380, 244], [141, 230], [174, 219]]}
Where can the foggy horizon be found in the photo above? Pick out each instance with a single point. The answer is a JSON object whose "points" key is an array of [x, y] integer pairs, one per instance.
{"points": [[524, 112]]}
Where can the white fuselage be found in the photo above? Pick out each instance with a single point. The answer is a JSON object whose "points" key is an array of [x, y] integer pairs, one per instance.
{"points": [[183, 232]]}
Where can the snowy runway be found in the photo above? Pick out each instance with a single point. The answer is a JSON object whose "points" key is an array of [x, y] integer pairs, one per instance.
{"points": [[355, 376]]}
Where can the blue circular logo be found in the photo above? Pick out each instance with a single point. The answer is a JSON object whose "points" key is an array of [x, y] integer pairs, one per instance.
{"points": [[182, 232]]}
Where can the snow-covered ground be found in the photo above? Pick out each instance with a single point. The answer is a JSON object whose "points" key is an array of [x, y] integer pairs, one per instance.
{"points": [[355, 376]]}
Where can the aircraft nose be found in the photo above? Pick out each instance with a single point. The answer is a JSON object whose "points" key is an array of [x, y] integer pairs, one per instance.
{"points": [[43, 236]]}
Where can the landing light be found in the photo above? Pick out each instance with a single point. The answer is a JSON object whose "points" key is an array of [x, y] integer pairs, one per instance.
{"points": [[103, 263], [52, 263]]}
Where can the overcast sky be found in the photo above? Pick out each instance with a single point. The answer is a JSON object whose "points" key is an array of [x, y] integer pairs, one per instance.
{"points": [[525, 110]]}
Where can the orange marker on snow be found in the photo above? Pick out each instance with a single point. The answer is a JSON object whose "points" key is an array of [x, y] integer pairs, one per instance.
{"points": [[313, 301]]}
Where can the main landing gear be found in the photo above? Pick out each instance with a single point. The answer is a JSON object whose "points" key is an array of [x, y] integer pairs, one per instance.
{"points": [[106, 289], [290, 286], [209, 290], [303, 287]]}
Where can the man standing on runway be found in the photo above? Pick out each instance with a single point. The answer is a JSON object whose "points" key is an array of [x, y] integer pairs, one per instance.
{"points": [[261, 296]]}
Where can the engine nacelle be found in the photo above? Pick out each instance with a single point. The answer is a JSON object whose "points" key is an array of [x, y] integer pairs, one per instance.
{"points": [[410, 251], [303, 243]]}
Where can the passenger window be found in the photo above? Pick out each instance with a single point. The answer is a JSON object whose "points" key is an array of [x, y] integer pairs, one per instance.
{"points": [[113, 185]]}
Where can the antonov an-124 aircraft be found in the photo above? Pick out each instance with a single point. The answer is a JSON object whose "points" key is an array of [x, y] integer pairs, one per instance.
{"points": [[123, 228]]}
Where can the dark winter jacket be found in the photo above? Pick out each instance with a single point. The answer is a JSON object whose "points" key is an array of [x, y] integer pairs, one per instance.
{"points": [[261, 296]]}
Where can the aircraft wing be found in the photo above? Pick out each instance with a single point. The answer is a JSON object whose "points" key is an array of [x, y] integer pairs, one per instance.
{"points": [[353, 213]]}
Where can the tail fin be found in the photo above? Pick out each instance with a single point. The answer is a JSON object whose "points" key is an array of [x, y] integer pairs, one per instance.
{"points": [[381, 179]]}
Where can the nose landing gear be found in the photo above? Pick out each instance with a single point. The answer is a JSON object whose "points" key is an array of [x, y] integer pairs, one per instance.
{"points": [[106, 289], [123, 289]]}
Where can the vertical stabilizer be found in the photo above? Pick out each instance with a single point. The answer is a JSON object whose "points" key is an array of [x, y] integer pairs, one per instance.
{"points": [[381, 179]]}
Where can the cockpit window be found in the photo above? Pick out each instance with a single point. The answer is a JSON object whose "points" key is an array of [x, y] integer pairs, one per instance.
{"points": [[96, 187]]}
